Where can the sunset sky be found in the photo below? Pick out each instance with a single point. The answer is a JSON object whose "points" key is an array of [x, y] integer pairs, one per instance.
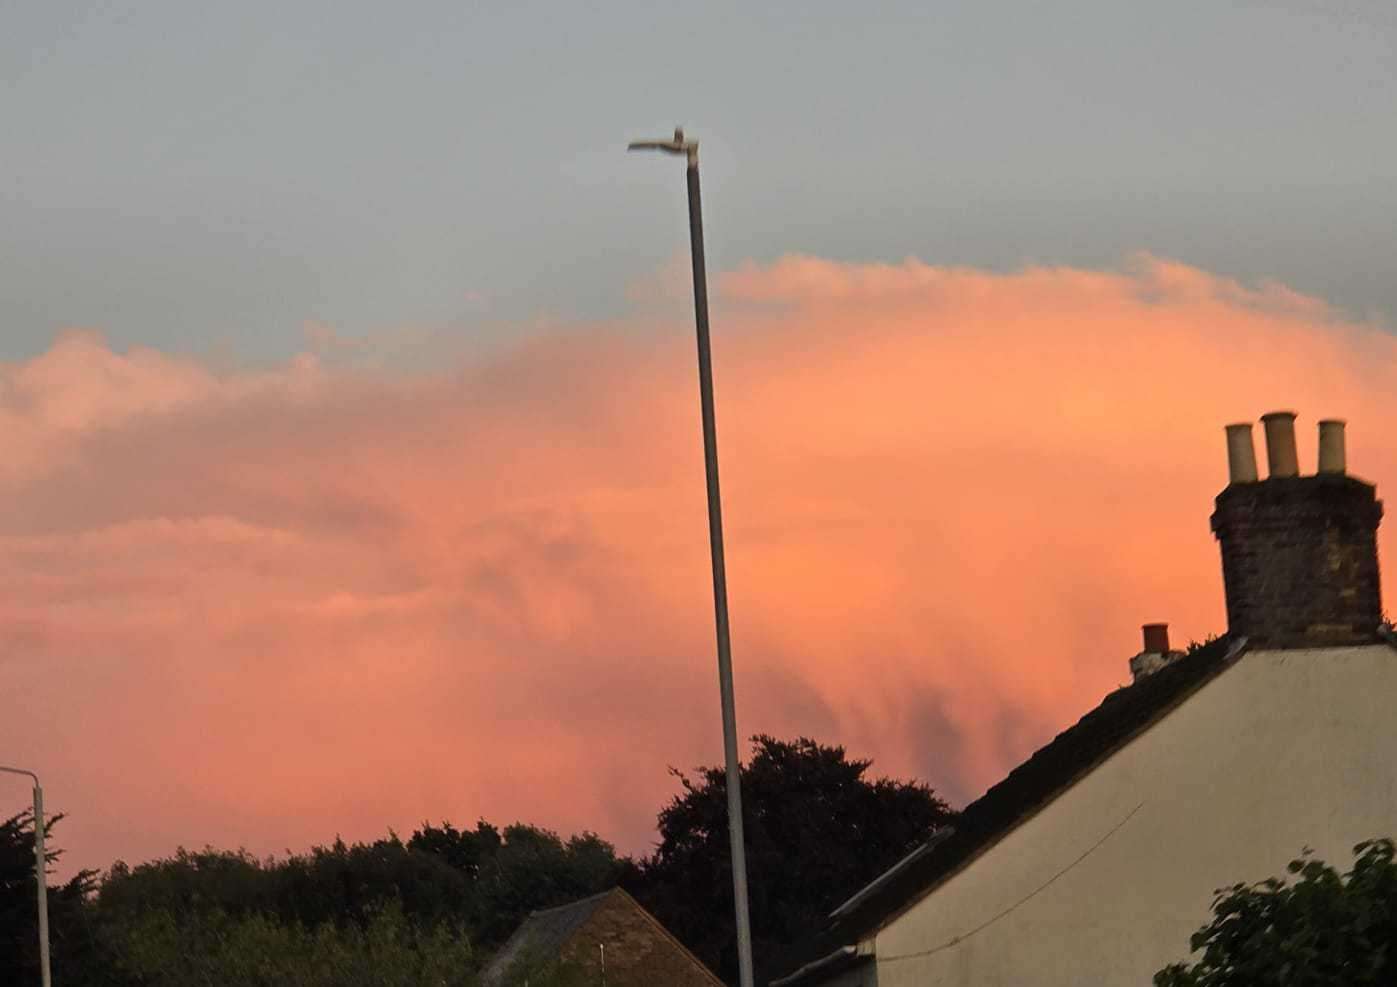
{"points": [[352, 472]]}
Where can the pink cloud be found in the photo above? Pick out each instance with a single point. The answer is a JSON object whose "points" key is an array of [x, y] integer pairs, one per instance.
{"points": [[264, 608]]}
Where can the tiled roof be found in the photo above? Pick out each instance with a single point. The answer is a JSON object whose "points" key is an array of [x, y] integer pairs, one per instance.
{"points": [[1049, 772], [543, 933]]}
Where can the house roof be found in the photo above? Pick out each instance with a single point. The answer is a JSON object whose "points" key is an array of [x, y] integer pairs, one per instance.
{"points": [[544, 932], [1028, 788]]}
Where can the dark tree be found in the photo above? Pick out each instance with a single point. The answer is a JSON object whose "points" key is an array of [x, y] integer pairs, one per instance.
{"points": [[340, 884], [189, 881], [76, 949], [817, 830], [520, 870], [1323, 930], [463, 849], [481, 882]]}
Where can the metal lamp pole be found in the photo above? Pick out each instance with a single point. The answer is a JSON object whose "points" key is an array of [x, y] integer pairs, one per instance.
{"points": [[39, 877], [715, 537]]}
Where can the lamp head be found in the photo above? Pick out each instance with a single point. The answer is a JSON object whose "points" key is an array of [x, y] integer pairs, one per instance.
{"points": [[676, 146]]}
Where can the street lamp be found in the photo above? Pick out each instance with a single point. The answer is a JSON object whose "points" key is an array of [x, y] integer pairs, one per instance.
{"points": [[715, 538], [39, 868]]}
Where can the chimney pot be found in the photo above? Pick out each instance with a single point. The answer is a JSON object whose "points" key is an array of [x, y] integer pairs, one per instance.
{"points": [[1156, 638], [1281, 460], [1332, 456], [1241, 454]]}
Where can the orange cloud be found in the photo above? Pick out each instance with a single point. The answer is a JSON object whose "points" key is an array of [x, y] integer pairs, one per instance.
{"points": [[263, 608]]}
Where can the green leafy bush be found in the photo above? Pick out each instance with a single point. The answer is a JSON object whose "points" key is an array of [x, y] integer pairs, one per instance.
{"points": [[1317, 928], [165, 949]]}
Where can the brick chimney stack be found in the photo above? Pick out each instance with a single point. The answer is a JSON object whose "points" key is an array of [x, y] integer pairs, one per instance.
{"points": [[1299, 553]]}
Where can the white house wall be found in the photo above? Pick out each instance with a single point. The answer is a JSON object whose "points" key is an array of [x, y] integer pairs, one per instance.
{"points": [[1284, 750]]}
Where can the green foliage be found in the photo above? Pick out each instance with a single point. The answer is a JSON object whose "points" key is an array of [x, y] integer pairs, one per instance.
{"points": [[339, 884], [465, 850], [535, 969], [343, 883], [166, 949], [482, 883], [1316, 929], [189, 881], [535, 869], [817, 830], [523, 869]]}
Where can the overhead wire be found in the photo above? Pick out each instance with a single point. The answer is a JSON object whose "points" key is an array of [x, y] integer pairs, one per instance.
{"points": [[957, 940]]}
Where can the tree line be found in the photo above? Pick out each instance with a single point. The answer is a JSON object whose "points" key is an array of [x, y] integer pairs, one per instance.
{"points": [[432, 908]]}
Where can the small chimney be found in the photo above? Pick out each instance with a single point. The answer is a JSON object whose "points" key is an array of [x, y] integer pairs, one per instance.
{"points": [[1156, 654], [1281, 460], [1299, 553], [1332, 457], [1241, 454]]}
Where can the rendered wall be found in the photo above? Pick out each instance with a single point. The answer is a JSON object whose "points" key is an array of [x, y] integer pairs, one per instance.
{"points": [[1284, 750]]}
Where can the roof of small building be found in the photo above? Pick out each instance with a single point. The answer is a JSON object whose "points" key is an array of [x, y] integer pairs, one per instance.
{"points": [[544, 932], [1049, 772]]}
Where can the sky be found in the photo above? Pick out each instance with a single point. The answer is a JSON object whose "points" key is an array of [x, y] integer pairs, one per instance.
{"points": [[346, 384]]}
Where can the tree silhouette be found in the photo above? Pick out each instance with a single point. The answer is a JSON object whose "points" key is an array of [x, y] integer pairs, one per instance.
{"points": [[75, 946], [817, 830]]}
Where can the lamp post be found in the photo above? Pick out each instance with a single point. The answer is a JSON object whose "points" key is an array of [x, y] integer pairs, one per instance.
{"points": [[689, 149], [39, 868]]}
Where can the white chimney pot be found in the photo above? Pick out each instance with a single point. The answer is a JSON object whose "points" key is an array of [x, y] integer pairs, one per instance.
{"points": [[1332, 456], [1241, 454], [1280, 444]]}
